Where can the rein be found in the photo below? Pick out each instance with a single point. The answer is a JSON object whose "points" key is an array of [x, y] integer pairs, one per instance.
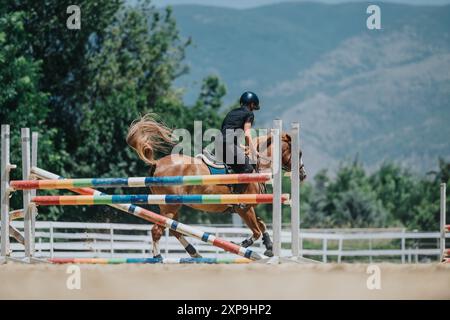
{"points": [[283, 166]]}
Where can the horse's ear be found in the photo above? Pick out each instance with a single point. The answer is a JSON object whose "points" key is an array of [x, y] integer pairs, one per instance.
{"points": [[286, 137], [269, 140]]}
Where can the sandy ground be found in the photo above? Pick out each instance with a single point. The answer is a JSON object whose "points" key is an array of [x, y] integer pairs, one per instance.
{"points": [[255, 281]]}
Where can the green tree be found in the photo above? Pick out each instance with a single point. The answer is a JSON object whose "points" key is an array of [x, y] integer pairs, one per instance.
{"points": [[313, 214], [132, 74], [63, 53], [443, 174], [209, 104], [347, 201], [399, 191], [22, 103]]}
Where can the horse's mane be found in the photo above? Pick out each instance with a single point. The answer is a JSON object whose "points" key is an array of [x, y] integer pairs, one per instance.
{"points": [[266, 141]]}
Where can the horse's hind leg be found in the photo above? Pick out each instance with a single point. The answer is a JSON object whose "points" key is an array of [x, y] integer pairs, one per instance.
{"points": [[249, 217], [157, 232], [190, 249]]}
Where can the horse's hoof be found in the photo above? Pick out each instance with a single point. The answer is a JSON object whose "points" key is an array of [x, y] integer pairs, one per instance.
{"points": [[246, 243], [268, 253], [159, 256]]}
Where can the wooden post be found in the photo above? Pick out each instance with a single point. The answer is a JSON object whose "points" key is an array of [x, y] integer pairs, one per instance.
{"points": [[5, 168], [324, 249], [340, 250], [443, 218], [295, 189], [34, 149], [28, 218], [166, 242], [277, 185], [111, 240], [51, 240], [403, 246]]}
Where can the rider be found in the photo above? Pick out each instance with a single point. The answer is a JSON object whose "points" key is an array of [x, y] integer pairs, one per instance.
{"points": [[240, 119]]}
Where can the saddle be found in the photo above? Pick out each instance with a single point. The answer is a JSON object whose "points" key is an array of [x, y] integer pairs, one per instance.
{"points": [[219, 167], [216, 166]]}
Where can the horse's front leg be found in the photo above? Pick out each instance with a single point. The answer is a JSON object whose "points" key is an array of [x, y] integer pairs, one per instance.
{"points": [[249, 217], [265, 238], [158, 231]]}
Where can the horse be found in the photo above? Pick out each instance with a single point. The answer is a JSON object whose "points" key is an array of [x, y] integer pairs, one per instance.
{"points": [[147, 136]]}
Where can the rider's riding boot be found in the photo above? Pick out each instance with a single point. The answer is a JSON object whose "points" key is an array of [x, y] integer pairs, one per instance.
{"points": [[240, 188]]}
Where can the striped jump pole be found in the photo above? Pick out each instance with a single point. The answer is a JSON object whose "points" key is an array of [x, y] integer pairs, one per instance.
{"points": [[140, 181], [163, 221], [156, 199], [150, 260]]}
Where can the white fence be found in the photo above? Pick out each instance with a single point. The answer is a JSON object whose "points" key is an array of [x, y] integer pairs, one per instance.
{"points": [[109, 240]]}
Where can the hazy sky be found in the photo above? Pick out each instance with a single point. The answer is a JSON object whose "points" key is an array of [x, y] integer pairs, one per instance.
{"points": [[254, 3]]}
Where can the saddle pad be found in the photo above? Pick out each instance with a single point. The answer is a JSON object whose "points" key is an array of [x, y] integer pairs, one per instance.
{"points": [[213, 170]]}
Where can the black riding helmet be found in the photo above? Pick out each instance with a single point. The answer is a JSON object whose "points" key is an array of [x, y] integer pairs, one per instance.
{"points": [[249, 97]]}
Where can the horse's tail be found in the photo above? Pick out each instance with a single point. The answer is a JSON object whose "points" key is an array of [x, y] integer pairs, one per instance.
{"points": [[147, 136]]}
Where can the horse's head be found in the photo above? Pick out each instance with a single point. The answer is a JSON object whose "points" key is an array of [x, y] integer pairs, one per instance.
{"points": [[286, 156], [302, 170], [265, 149]]}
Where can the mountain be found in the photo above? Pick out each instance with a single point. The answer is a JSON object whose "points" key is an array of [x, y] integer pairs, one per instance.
{"points": [[376, 94], [240, 4]]}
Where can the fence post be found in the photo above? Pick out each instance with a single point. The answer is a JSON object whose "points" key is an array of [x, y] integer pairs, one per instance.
{"points": [[340, 249], [166, 236], [34, 149], [27, 207], [403, 246], [277, 181], [111, 240], [295, 189], [5, 169], [51, 240], [443, 218], [301, 244], [149, 234], [324, 249], [416, 247]]}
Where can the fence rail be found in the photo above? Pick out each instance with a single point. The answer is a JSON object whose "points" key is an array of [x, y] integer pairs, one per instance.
{"points": [[111, 240]]}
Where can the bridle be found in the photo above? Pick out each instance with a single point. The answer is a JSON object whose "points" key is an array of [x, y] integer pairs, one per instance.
{"points": [[269, 161], [285, 167]]}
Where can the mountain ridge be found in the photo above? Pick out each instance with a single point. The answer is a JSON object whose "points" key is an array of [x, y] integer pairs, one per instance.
{"points": [[382, 95]]}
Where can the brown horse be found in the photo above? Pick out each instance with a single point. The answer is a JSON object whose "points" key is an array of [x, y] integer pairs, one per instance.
{"points": [[147, 136]]}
